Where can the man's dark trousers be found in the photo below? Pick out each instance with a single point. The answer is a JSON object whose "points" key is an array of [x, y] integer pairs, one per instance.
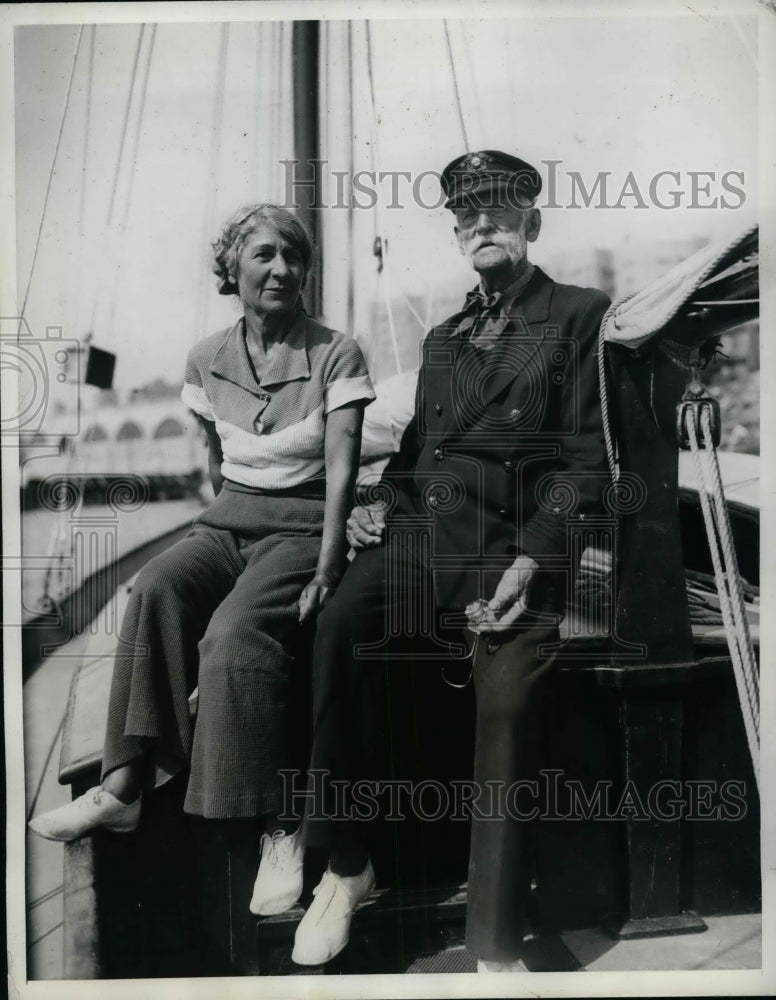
{"points": [[383, 611]]}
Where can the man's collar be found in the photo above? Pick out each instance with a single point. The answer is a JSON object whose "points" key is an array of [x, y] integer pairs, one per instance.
{"points": [[531, 303], [291, 362], [510, 293]]}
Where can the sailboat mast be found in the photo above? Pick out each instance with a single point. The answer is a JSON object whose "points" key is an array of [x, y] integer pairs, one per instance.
{"points": [[305, 68]]}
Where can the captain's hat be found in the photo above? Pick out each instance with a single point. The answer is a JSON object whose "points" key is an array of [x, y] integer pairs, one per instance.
{"points": [[497, 179]]}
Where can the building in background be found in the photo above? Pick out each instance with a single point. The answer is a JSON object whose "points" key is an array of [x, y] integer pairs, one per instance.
{"points": [[150, 434]]}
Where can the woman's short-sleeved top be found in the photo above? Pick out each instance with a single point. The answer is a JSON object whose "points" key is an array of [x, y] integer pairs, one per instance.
{"points": [[272, 432]]}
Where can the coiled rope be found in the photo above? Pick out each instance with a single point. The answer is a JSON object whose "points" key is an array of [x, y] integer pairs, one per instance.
{"points": [[603, 391]]}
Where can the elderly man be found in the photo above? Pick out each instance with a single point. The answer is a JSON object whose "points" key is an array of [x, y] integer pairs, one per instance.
{"points": [[505, 450]]}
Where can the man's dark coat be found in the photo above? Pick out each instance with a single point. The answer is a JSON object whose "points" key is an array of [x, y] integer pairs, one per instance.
{"points": [[505, 451]]}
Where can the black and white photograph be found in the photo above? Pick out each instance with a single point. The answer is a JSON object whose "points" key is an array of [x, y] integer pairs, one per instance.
{"points": [[454, 690]]}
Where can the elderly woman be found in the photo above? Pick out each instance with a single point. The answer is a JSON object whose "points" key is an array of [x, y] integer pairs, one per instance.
{"points": [[281, 399]]}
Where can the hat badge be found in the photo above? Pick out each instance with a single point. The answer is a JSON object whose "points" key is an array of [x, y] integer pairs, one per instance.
{"points": [[476, 162]]}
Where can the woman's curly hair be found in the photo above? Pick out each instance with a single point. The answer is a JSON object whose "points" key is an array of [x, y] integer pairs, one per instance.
{"points": [[226, 249]]}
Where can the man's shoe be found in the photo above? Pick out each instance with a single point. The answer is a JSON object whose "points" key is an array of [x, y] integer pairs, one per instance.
{"points": [[95, 809], [278, 884], [518, 965], [325, 929]]}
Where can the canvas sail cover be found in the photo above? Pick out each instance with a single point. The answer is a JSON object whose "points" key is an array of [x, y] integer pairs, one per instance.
{"points": [[713, 290]]}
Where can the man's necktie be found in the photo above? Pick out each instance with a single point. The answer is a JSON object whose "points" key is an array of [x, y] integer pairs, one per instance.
{"points": [[484, 318]]}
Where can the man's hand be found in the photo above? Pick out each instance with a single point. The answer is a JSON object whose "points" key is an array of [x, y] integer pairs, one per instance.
{"points": [[508, 603], [314, 596], [365, 526]]}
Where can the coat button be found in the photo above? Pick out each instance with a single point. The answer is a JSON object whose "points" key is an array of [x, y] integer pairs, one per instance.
{"points": [[509, 466], [438, 454]]}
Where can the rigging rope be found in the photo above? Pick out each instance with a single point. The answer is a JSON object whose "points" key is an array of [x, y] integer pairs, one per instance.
{"points": [[280, 62], [141, 112], [127, 107], [370, 75], [215, 150], [84, 290], [323, 120], [52, 170], [379, 240], [257, 107], [455, 86], [731, 562], [87, 129], [416, 315], [107, 256], [727, 579], [391, 323], [119, 255], [351, 295], [470, 67], [603, 392]]}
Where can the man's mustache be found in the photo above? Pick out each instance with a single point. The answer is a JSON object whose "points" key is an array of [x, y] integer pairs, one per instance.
{"points": [[489, 241]]}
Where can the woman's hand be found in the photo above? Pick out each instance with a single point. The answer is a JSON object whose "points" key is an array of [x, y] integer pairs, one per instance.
{"points": [[365, 527], [314, 596]]}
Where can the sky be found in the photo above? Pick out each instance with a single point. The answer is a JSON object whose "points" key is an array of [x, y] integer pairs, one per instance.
{"points": [[616, 94]]}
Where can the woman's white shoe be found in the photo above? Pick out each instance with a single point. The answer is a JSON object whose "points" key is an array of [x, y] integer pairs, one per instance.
{"points": [[324, 930], [95, 809], [278, 883]]}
